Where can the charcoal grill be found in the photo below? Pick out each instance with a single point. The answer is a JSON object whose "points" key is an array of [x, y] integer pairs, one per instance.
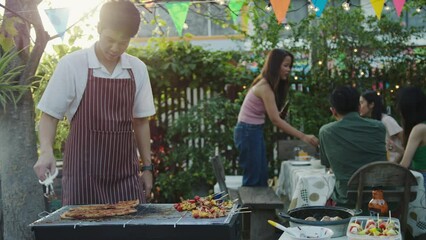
{"points": [[152, 221]]}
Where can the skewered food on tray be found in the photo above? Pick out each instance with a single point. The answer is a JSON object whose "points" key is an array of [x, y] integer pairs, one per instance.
{"points": [[205, 207]]}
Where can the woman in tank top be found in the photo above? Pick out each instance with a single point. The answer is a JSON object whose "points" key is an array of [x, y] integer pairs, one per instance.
{"points": [[267, 94]]}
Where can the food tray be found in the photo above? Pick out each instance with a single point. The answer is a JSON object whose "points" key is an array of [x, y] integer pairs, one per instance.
{"points": [[363, 220]]}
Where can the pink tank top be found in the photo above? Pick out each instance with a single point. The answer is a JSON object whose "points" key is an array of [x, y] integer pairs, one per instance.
{"points": [[253, 110]]}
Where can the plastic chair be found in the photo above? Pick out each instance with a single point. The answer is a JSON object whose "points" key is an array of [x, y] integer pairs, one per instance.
{"points": [[392, 178]]}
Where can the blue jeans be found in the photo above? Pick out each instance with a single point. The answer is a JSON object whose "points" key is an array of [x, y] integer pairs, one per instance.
{"points": [[248, 139]]}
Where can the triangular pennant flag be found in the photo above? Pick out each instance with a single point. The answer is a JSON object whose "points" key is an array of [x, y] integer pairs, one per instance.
{"points": [[59, 19], [399, 4], [378, 7], [280, 9], [178, 12], [235, 6], [320, 4]]}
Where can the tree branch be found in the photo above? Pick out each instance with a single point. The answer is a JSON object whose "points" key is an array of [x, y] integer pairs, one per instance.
{"points": [[42, 37], [15, 13]]}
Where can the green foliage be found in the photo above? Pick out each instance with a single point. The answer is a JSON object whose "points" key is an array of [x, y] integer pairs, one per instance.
{"points": [[193, 139], [181, 64], [415, 4], [266, 34], [353, 49], [8, 32], [10, 90]]}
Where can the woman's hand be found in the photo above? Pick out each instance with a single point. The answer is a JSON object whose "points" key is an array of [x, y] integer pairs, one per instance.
{"points": [[311, 139]]}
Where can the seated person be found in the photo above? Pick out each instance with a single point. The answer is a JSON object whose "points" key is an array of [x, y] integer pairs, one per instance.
{"points": [[371, 106], [350, 142], [411, 104]]}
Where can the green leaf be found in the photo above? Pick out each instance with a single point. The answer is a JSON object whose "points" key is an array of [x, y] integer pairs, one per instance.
{"points": [[10, 90], [9, 26], [6, 43]]}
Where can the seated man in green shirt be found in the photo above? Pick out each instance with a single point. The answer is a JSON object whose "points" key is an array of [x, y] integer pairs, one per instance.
{"points": [[350, 142]]}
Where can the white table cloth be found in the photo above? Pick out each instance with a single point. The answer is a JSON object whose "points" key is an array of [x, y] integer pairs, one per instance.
{"points": [[416, 219], [304, 185]]}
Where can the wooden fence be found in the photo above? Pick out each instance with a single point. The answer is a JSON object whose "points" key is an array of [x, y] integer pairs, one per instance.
{"points": [[172, 102]]}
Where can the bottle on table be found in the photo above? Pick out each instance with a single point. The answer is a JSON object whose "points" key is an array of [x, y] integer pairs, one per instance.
{"points": [[377, 204]]}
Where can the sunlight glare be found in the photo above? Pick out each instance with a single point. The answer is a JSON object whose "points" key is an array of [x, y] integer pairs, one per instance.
{"points": [[77, 10]]}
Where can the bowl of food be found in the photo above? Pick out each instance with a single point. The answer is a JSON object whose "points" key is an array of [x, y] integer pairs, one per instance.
{"points": [[334, 218], [307, 233]]}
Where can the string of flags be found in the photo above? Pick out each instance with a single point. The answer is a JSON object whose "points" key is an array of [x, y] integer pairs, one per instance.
{"points": [[280, 8], [179, 10]]}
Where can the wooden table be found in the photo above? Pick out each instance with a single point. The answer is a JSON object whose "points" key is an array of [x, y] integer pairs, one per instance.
{"points": [[262, 201]]}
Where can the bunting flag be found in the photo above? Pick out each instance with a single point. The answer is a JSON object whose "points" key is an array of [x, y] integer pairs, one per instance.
{"points": [[178, 12], [59, 19], [399, 4], [387, 85], [280, 9], [378, 7], [235, 6], [320, 4]]}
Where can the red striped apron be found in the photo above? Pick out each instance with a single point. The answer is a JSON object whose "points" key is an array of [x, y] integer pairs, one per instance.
{"points": [[100, 159]]}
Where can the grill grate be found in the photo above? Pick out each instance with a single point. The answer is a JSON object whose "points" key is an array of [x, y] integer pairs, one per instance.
{"points": [[146, 214], [152, 221]]}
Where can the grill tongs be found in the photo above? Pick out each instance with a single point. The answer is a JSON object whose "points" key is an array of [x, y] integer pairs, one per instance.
{"points": [[48, 184]]}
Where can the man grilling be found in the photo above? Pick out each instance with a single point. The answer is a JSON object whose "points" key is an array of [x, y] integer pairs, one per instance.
{"points": [[106, 95]]}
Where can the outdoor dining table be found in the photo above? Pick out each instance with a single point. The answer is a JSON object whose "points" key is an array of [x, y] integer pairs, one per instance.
{"points": [[304, 185]]}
